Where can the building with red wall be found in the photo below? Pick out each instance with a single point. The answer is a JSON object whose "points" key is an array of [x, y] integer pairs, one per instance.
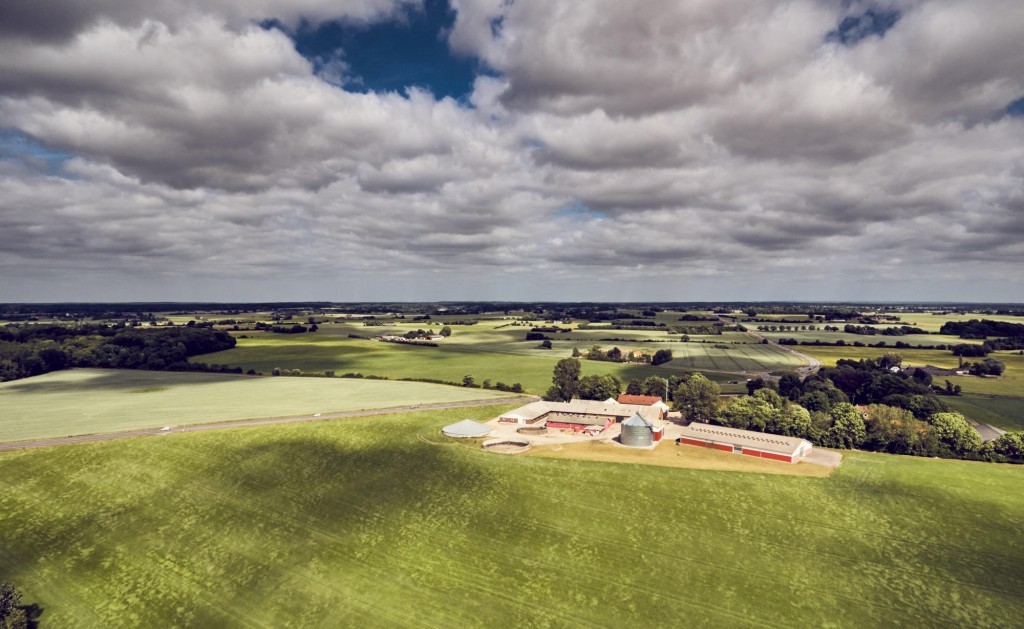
{"points": [[746, 442]]}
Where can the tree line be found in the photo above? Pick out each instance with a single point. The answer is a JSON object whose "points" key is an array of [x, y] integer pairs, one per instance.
{"points": [[32, 350]]}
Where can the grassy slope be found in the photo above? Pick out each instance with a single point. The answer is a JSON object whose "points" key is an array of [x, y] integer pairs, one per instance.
{"points": [[86, 401], [357, 522]]}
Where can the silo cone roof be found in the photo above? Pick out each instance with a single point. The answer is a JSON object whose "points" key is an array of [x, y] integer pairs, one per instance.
{"points": [[636, 420], [466, 428]]}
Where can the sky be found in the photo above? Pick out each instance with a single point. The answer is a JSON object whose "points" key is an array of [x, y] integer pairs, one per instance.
{"points": [[408, 150]]}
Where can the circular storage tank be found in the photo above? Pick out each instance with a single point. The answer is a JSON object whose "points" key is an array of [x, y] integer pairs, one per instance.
{"points": [[637, 432]]}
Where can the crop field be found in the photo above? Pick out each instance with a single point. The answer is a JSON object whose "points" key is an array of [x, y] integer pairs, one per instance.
{"points": [[933, 321], [748, 357], [1002, 412], [810, 336], [358, 522], [828, 355], [89, 401], [484, 351]]}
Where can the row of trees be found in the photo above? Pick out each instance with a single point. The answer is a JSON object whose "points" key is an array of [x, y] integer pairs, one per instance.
{"points": [[568, 382]]}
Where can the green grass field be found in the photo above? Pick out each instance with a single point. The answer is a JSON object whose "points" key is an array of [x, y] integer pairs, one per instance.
{"points": [[358, 522], [484, 351], [87, 401], [1002, 412]]}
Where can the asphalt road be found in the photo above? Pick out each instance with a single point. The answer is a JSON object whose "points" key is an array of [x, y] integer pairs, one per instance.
{"points": [[147, 432]]}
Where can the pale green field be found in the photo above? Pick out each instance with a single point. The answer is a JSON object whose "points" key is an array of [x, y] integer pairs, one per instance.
{"points": [[932, 322], [88, 401], [1010, 385]]}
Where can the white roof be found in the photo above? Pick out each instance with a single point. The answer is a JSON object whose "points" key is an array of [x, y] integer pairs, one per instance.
{"points": [[607, 409], [748, 438], [466, 428]]}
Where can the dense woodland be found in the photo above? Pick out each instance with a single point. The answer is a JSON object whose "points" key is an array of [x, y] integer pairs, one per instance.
{"points": [[31, 350]]}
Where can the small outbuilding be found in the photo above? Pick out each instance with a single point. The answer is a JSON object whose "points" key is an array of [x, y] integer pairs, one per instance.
{"points": [[466, 428]]}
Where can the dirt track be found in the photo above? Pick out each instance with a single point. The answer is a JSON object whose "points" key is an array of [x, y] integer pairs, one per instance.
{"points": [[110, 436]]}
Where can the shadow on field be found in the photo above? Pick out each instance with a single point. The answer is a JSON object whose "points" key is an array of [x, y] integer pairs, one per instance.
{"points": [[246, 513], [116, 379]]}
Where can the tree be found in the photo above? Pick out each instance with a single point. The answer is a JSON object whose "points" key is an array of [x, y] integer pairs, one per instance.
{"points": [[545, 344], [697, 398], [635, 387], [595, 387], [956, 433], [792, 420], [446, 331], [892, 359], [653, 385], [468, 381], [848, 430], [12, 615], [576, 352], [790, 386], [754, 385], [1008, 447], [564, 381], [661, 356], [770, 396], [748, 412]]}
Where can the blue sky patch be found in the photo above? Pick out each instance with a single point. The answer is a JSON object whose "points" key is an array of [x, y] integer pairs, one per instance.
{"points": [[1016, 108], [22, 148], [853, 28], [579, 211], [411, 51]]}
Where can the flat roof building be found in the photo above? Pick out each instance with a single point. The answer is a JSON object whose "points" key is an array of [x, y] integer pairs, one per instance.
{"points": [[747, 442]]}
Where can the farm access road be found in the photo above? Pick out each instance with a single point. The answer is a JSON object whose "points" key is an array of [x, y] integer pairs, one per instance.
{"points": [[145, 432]]}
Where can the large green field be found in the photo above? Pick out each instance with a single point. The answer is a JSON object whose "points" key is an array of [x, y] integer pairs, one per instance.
{"points": [[485, 351], [88, 401], [361, 523]]}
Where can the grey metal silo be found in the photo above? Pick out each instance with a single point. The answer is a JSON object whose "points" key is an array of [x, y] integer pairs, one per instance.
{"points": [[637, 432]]}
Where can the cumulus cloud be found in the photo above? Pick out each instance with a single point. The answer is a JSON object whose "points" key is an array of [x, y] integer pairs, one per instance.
{"points": [[673, 146]]}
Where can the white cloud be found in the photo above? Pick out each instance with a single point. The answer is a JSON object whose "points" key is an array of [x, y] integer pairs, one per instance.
{"points": [[711, 140]]}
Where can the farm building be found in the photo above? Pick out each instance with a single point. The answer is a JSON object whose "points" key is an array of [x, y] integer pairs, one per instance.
{"points": [[644, 400], [747, 442], [466, 428], [579, 415], [638, 432]]}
